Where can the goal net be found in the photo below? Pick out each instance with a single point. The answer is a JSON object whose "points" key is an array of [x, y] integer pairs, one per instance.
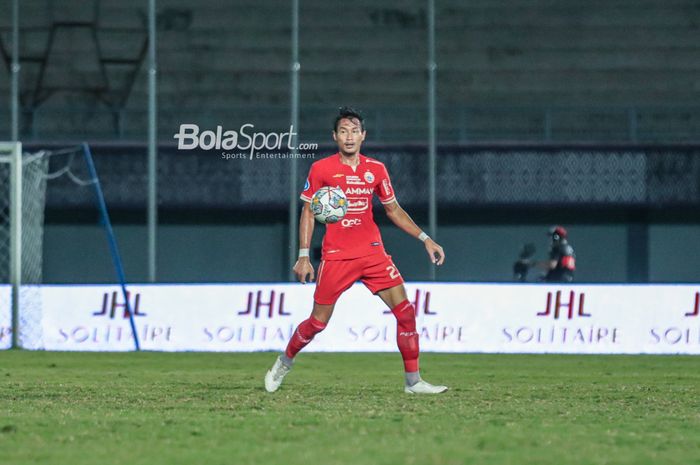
{"points": [[22, 198], [23, 183]]}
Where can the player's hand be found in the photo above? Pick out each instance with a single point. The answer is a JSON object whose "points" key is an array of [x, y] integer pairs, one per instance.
{"points": [[435, 252], [303, 269]]}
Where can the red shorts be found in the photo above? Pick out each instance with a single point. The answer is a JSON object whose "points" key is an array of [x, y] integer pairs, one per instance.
{"points": [[334, 277]]}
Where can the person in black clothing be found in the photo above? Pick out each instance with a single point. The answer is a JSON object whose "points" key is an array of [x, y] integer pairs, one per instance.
{"points": [[560, 266], [562, 259]]}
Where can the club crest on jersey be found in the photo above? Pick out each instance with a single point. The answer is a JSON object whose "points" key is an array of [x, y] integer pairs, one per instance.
{"points": [[369, 177], [354, 180]]}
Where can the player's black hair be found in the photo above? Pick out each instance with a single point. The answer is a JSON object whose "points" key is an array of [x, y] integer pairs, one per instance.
{"points": [[350, 113]]}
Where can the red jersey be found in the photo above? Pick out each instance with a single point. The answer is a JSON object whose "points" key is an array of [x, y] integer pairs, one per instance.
{"points": [[356, 235]]}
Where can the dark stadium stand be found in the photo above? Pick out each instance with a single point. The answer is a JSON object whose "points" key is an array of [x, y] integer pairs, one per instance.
{"points": [[553, 70]]}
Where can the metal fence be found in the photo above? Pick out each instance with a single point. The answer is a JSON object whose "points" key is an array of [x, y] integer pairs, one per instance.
{"points": [[473, 175], [395, 123]]}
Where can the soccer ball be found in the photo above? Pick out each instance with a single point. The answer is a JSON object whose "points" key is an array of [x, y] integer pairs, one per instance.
{"points": [[329, 205]]}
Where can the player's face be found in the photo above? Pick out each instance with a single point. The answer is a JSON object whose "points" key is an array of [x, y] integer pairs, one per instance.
{"points": [[349, 136]]}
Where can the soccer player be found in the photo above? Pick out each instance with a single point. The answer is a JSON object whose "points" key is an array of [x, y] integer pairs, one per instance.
{"points": [[353, 250]]}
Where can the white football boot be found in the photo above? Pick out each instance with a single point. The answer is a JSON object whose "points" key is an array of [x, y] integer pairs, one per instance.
{"points": [[422, 387], [275, 375]]}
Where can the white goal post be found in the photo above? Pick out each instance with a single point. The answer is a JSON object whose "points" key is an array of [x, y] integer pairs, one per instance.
{"points": [[11, 223], [23, 188], [22, 199]]}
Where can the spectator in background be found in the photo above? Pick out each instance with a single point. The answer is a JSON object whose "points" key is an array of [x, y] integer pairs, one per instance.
{"points": [[562, 259], [560, 266]]}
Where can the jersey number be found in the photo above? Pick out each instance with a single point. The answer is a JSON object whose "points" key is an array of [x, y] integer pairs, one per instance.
{"points": [[393, 272]]}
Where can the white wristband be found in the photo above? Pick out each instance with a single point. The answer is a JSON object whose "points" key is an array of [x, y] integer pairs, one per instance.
{"points": [[303, 253], [423, 236]]}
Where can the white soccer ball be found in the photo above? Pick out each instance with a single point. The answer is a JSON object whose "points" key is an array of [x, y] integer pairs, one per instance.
{"points": [[329, 205]]}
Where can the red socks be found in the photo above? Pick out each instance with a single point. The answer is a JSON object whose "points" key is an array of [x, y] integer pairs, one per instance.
{"points": [[406, 335], [304, 333]]}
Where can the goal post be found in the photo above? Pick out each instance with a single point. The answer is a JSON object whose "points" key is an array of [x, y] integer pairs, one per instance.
{"points": [[11, 225], [22, 199], [23, 185]]}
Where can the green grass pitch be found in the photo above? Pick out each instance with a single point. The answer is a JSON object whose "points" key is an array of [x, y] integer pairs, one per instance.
{"points": [[160, 408]]}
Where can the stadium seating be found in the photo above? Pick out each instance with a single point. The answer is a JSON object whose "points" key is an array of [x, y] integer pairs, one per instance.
{"points": [[525, 70]]}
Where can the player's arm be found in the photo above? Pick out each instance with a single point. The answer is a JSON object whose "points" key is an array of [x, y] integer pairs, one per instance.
{"points": [[303, 267], [544, 265], [400, 218], [552, 261]]}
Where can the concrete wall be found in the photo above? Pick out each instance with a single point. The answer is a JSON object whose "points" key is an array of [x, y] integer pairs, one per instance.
{"points": [[674, 253], [186, 253], [224, 253]]}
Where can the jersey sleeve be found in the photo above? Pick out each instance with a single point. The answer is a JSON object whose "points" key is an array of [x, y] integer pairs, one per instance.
{"points": [[312, 184], [568, 259], [383, 188]]}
